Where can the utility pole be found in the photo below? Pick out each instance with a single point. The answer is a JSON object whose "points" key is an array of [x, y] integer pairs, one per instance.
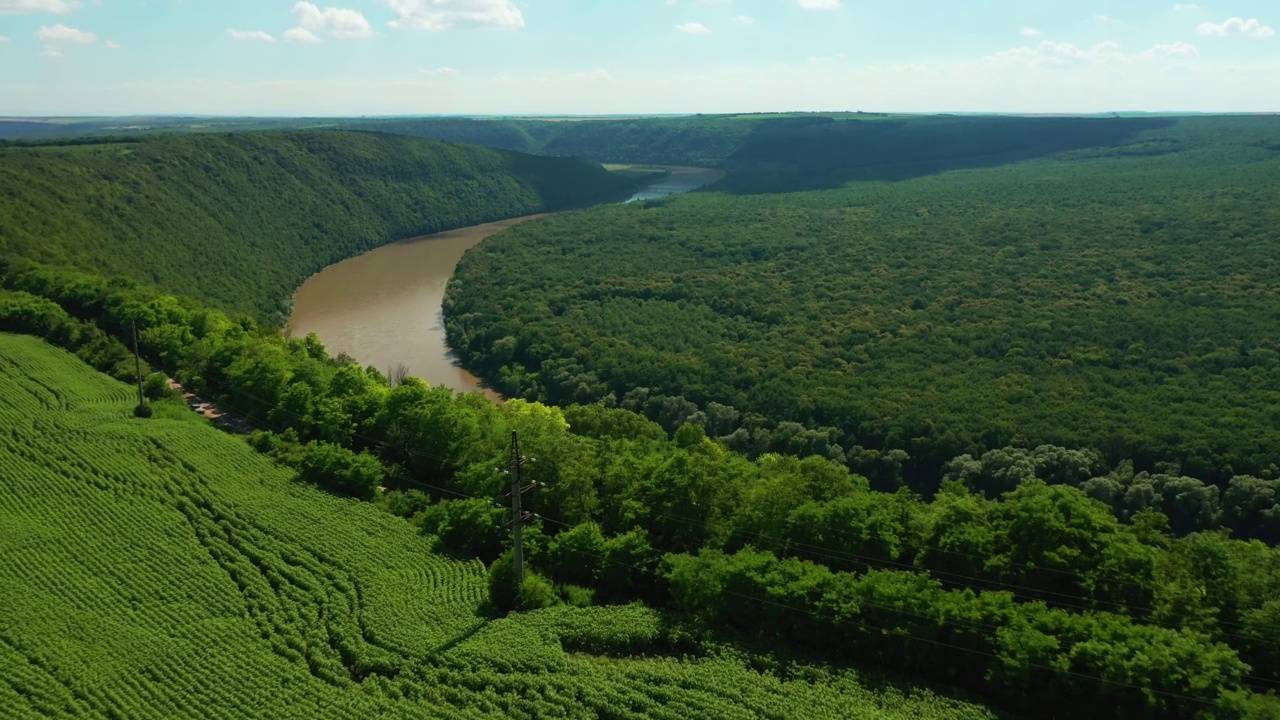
{"points": [[517, 519], [137, 361]]}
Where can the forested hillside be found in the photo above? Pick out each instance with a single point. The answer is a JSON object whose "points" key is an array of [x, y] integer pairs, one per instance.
{"points": [[241, 220], [1122, 299]]}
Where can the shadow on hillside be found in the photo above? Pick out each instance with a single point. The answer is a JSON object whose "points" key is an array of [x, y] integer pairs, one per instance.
{"points": [[818, 153]]}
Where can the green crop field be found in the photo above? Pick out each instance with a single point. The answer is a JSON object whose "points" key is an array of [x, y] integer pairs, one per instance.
{"points": [[161, 569]]}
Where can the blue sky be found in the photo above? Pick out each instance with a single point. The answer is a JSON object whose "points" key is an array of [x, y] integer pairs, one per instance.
{"points": [[283, 57]]}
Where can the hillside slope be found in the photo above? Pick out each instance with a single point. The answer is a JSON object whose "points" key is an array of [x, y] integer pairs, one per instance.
{"points": [[161, 569], [241, 220]]}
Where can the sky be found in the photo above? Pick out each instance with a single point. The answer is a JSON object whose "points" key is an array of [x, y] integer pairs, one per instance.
{"points": [[417, 57]]}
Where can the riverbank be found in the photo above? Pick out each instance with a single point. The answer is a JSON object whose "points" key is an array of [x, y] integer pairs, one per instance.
{"points": [[385, 307]]}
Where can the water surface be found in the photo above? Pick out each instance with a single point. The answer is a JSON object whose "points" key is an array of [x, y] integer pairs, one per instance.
{"points": [[383, 308]]}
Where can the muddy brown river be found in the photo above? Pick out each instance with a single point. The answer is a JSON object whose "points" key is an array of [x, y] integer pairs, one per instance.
{"points": [[383, 308]]}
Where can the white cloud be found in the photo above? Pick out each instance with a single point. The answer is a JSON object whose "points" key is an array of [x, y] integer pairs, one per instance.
{"points": [[3, 39], [819, 4], [452, 14], [745, 19], [440, 71], [1235, 26], [24, 7], [300, 35], [332, 21], [1029, 32], [1172, 50], [248, 35], [113, 44], [62, 34], [1101, 18], [1185, 7], [693, 28], [1056, 54]]}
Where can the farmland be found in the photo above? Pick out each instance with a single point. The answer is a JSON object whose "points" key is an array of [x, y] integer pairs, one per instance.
{"points": [[160, 569]]}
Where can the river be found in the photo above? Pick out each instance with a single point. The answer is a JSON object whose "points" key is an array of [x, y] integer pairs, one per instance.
{"points": [[383, 308]]}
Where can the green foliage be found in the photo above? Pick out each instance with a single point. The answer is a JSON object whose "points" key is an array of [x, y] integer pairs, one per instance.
{"points": [[504, 586], [1051, 543], [1038, 568], [575, 556], [507, 594], [470, 527], [1110, 297], [204, 582], [341, 470], [178, 211], [1036, 657]]}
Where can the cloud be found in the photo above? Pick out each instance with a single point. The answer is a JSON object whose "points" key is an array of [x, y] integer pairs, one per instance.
{"points": [[454, 14], [1185, 7], [53, 38], [300, 35], [1173, 50], [439, 71], [332, 21], [3, 39], [60, 33], [1235, 26], [819, 4], [1050, 55], [693, 28], [745, 19], [1029, 32], [1055, 54], [113, 44], [250, 35], [25, 7]]}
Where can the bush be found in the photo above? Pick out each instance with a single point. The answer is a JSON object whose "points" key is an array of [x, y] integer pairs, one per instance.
{"points": [[338, 469], [472, 527], [505, 594]]}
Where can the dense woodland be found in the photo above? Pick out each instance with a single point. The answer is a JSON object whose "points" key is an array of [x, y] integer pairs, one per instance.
{"points": [[241, 220], [1033, 595], [1119, 299]]}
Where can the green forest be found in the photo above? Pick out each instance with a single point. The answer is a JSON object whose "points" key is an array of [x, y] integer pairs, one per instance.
{"points": [[1032, 596], [241, 220], [1119, 299], [960, 417]]}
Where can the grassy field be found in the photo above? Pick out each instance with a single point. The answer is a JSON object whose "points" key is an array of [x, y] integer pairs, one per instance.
{"points": [[161, 569]]}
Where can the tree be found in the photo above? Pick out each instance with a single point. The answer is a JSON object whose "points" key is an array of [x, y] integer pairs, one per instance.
{"points": [[338, 469]]}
